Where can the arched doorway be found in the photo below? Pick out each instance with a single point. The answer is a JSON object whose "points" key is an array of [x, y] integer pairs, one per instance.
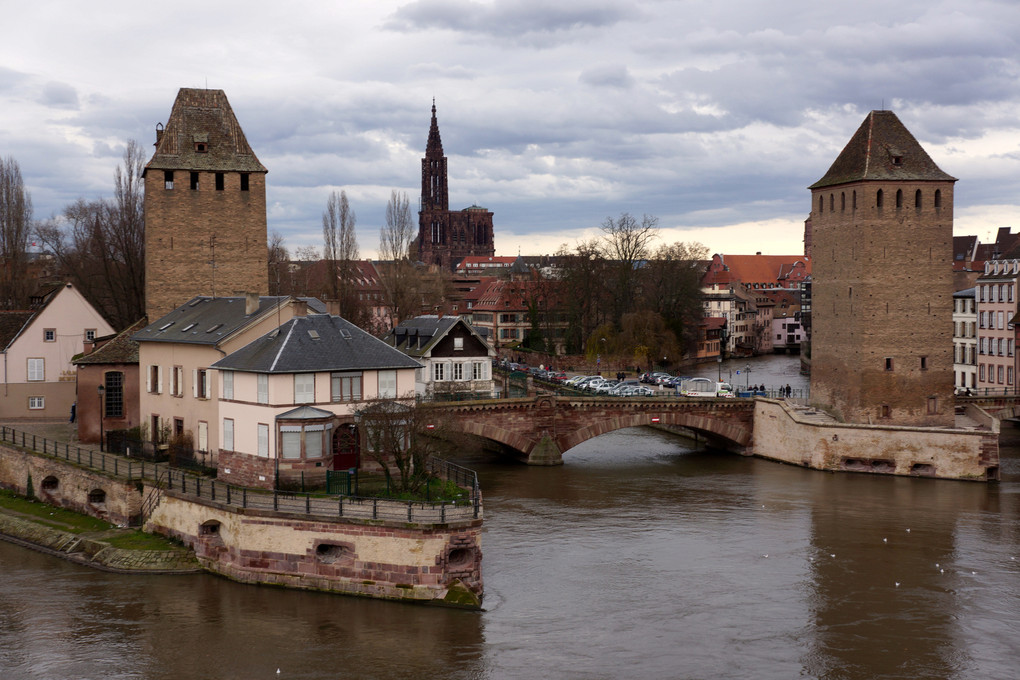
{"points": [[346, 447]]}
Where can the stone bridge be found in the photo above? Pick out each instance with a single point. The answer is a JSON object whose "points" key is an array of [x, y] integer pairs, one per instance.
{"points": [[539, 430]]}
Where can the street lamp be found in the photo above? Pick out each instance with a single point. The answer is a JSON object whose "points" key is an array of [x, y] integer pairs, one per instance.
{"points": [[102, 393], [718, 361], [747, 376]]}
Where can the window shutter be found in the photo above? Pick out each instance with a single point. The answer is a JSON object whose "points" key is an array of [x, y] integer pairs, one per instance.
{"points": [[194, 382], [148, 380], [159, 380], [208, 380]]}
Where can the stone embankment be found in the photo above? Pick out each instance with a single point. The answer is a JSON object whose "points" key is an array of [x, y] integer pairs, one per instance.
{"points": [[91, 550]]}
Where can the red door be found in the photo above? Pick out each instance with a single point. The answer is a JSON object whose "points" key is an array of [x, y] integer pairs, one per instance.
{"points": [[346, 447]]}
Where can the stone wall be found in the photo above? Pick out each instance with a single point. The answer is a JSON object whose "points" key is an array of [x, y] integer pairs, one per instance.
{"points": [[391, 560], [69, 486], [440, 564], [781, 434]]}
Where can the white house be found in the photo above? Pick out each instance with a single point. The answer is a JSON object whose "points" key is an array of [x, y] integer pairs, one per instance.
{"points": [[288, 400], [456, 359]]}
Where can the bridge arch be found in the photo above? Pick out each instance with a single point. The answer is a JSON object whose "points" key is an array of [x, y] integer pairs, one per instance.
{"points": [[540, 430]]}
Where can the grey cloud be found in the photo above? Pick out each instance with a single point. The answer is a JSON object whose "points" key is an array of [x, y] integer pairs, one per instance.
{"points": [[507, 18], [607, 76], [59, 96]]}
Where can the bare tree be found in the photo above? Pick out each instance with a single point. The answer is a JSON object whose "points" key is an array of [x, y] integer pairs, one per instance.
{"points": [[15, 225], [403, 436], [100, 244], [398, 233], [626, 244], [671, 285], [277, 259], [340, 250], [306, 254]]}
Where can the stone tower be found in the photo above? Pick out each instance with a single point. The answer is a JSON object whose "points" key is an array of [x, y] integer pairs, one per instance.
{"points": [[205, 207], [445, 237], [882, 239]]}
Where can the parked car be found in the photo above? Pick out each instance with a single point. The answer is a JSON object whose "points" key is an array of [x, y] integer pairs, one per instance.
{"points": [[606, 386], [640, 391]]}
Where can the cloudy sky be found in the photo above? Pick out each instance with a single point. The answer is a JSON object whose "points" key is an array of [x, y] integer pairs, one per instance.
{"points": [[713, 115]]}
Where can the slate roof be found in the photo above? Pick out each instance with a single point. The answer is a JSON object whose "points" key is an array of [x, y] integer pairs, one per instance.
{"points": [[207, 320], [317, 342], [416, 337], [872, 153], [122, 349], [203, 116]]}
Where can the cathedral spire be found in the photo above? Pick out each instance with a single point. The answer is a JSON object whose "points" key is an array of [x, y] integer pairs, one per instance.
{"points": [[434, 148]]}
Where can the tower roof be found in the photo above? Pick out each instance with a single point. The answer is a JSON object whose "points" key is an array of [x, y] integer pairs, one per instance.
{"points": [[434, 147], [203, 134], [882, 149]]}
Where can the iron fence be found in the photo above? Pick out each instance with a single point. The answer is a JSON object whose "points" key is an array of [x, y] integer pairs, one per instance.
{"points": [[187, 483]]}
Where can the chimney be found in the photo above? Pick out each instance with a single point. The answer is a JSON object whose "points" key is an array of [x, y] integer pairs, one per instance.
{"points": [[251, 303], [333, 307], [300, 307]]}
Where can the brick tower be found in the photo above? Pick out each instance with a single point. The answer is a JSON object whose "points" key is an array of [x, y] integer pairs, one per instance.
{"points": [[445, 237], [882, 239], [205, 207]]}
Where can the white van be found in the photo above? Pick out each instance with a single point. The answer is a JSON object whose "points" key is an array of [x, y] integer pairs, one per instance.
{"points": [[703, 387]]}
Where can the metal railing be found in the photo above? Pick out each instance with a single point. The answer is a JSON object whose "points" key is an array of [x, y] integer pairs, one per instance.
{"points": [[319, 505]]}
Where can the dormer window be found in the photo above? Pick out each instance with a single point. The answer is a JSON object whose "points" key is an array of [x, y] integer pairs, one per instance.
{"points": [[897, 160], [201, 147]]}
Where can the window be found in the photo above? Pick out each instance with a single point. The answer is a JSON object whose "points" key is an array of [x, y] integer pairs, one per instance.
{"points": [[924, 363], [938, 198], [228, 384], [899, 198], [50, 335], [194, 181], [90, 334], [478, 370], [219, 181], [458, 344], [304, 388], [933, 405], [244, 181], [1002, 320], [36, 403], [387, 384], [345, 387], [228, 434], [263, 440], [304, 441], [168, 179], [888, 363], [981, 372], [1009, 375], [878, 199], [200, 384], [917, 199], [177, 382], [438, 372], [999, 374], [37, 369], [263, 388], [154, 380], [458, 371], [113, 401]]}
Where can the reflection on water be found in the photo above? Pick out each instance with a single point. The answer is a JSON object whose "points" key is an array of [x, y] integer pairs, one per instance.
{"points": [[637, 558]]}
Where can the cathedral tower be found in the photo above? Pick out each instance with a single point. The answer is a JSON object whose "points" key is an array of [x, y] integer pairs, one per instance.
{"points": [[205, 207], [445, 237], [882, 236]]}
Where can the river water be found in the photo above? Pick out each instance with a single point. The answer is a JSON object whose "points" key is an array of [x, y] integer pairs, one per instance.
{"points": [[639, 558]]}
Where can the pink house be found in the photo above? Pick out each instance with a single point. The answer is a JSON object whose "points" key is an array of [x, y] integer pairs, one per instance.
{"points": [[37, 373]]}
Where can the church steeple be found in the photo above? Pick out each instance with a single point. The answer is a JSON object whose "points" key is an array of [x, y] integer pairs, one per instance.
{"points": [[434, 147], [434, 194]]}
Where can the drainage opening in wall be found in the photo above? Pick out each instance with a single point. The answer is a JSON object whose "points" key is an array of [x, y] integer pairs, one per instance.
{"points": [[330, 553], [210, 528], [460, 558], [50, 483], [922, 469], [97, 497]]}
